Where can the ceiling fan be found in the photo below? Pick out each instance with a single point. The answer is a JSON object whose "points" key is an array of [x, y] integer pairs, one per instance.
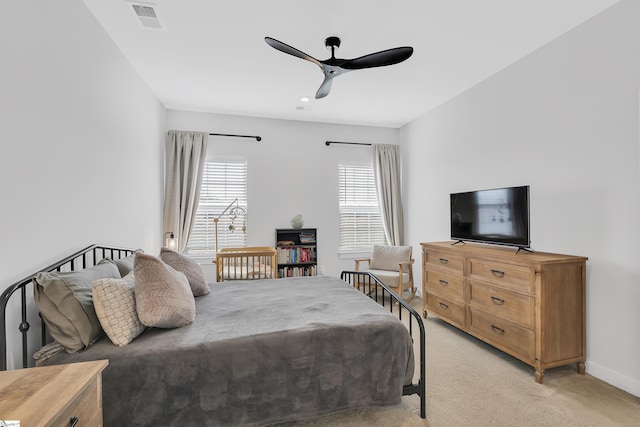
{"points": [[334, 67]]}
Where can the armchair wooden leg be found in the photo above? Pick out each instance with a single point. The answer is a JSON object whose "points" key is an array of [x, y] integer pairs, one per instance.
{"points": [[412, 294]]}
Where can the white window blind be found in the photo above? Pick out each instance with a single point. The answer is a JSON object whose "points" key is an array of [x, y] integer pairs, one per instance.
{"points": [[222, 182], [360, 221]]}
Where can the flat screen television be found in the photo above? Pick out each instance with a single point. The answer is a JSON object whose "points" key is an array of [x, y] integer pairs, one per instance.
{"points": [[498, 216]]}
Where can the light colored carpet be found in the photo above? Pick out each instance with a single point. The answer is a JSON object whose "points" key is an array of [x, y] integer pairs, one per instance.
{"points": [[469, 383]]}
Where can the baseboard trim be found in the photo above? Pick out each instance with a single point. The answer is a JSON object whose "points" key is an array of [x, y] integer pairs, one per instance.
{"points": [[614, 378]]}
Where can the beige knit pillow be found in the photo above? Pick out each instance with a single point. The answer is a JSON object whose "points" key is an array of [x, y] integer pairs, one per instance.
{"points": [[163, 296], [191, 269], [115, 304]]}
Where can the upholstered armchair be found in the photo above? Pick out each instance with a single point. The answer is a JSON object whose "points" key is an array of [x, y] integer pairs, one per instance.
{"points": [[393, 266]]}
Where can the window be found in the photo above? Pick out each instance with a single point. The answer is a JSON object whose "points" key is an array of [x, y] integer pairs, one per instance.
{"points": [[222, 182], [360, 220]]}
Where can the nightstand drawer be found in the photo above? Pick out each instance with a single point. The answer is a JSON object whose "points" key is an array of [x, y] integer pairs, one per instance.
{"points": [[512, 306], [445, 308], [446, 284], [512, 276], [443, 260], [87, 408], [508, 335]]}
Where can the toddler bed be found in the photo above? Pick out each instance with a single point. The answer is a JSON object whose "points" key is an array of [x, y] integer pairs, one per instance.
{"points": [[288, 349], [249, 263]]}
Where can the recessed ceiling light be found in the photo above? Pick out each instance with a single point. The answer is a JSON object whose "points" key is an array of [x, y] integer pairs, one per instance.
{"points": [[304, 99]]}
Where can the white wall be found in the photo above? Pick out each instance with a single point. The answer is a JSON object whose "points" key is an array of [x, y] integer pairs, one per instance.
{"points": [[82, 153], [291, 171], [565, 121]]}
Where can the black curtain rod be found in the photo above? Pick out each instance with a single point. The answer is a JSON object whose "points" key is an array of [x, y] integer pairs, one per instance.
{"points": [[258, 138], [348, 143]]}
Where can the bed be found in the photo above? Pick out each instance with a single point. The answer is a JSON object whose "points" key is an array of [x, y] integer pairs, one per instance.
{"points": [[257, 352], [248, 263]]}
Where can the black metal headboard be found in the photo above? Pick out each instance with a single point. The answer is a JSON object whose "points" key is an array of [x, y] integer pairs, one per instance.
{"points": [[84, 258]]}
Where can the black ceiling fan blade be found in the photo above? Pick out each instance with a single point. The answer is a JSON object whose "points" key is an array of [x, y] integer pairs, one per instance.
{"points": [[283, 47], [379, 59], [325, 87]]}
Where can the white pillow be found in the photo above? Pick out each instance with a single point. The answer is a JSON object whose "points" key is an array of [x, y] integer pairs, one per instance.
{"points": [[115, 304]]}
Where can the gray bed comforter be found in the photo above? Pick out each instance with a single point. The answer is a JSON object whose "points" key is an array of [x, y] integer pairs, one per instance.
{"points": [[258, 352]]}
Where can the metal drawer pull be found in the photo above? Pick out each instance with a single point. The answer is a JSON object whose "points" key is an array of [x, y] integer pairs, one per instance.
{"points": [[443, 305], [497, 301], [443, 260], [498, 273], [443, 282], [73, 422], [497, 330]]}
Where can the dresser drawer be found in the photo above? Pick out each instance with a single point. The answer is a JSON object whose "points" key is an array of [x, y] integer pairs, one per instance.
{"points": [[513, 276], [443, 260], [444, 284], [87, 408], [511, 337], [513, 306], [445, 308]]}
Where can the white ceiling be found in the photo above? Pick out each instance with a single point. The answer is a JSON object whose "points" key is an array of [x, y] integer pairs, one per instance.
{"points": [[211, 55]]}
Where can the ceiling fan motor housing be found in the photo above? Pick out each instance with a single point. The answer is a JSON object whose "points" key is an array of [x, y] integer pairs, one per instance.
{"points": [[332, 42]]}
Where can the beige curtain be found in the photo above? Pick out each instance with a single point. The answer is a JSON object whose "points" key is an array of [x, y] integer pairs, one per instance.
{"points": [[386, 172], [186, 153]]}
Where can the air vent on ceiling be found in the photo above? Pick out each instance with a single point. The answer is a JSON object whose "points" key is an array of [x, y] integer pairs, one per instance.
{"points": [[146, 15]]}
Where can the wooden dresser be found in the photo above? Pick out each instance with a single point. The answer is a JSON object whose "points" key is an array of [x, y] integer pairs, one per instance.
{"points": [[60, 395], [529, 305]]}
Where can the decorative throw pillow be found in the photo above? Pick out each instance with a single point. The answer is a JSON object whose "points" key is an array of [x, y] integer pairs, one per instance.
{"points": [[190, 268], [125, 265], [163, 296], [115, 304], [65, 302]]}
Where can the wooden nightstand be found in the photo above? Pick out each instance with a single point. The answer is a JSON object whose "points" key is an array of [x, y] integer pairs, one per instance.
{"points": [[60, 395]]}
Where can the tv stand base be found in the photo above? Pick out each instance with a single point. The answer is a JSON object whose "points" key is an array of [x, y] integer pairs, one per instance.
{"points": [[531, 251]]}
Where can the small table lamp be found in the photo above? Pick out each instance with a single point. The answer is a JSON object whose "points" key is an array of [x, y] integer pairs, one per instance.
{"points": [[170, 240]]}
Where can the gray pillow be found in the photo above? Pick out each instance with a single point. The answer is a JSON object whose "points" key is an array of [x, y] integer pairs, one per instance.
{"points": [[190, 268], [66, 303], [163, 296], [125, 265]]}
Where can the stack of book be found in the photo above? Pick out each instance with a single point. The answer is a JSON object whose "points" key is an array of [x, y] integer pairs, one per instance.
{"points": [[296, 255], [310, 270], [306, 238]]}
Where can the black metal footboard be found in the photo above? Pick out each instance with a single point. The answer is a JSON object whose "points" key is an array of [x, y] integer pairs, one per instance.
{"points": [[378, 291], [84, 258]]}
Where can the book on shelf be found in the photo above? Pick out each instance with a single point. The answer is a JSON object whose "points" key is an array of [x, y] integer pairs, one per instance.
{"points": [[310, 270], [295, 255]]}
